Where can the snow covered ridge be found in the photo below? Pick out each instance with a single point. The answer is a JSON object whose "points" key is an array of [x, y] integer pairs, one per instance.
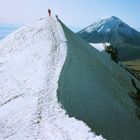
{"points": [[31, 60]]}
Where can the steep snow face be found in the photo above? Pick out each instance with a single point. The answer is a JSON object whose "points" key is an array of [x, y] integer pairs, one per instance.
{"points": [[96, 90], [31, 60]]}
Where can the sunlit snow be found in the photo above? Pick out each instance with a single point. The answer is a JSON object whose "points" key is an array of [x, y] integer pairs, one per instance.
{"points": [[31, 60], [98, 46]]}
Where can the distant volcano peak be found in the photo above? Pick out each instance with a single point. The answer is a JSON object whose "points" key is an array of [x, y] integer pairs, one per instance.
{"points": [[117, 32]]}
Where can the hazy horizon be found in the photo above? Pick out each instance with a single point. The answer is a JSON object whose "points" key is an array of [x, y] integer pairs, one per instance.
{"points": [[75, 14]]}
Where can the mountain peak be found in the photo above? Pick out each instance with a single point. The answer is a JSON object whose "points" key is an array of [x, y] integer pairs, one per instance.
{"points": [[114, 17], [104, 25], [118, 33], [36, 54], [44, 63], [111, 18]]}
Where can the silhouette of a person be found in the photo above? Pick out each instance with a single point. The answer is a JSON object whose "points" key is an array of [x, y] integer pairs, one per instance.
{"points": [[49, 12]]}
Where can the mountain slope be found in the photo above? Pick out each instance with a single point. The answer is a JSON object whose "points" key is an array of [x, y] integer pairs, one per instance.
{"points": [[31, 60], [94, 89], [119, 34]]}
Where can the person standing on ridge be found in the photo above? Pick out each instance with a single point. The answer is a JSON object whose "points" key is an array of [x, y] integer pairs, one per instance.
{"points": [[49, 12]]}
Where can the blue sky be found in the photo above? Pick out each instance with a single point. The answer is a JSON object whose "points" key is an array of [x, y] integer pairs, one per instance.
{"points": [[74, 13]]}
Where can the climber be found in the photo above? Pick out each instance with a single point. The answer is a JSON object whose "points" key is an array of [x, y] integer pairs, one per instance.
{"points": [[49, 12]]}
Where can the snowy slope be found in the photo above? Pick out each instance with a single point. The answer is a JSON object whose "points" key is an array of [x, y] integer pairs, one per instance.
{"points": [[100, 46], [96, 90], [31, 60]]}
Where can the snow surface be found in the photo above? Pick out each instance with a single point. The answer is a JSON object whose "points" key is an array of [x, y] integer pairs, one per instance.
{"points": [[101, 28], [31, 60], [108, 30], [99, 46], [99, 25]]}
